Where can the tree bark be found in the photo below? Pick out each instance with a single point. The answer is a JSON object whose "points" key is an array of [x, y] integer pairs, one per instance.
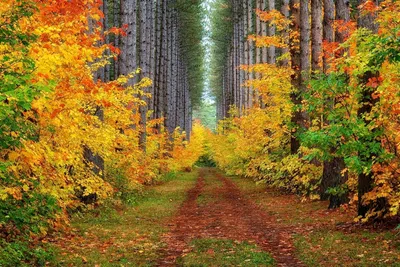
{"points": [[342, 16], [128, 56], [246, 52], [271, 32], [285, 12], [107, 39], [316, 33], [151, 10], [365, 180], [242, 53], [143, 59], [328, 33], [296, 76], [258, 31], [332, 175], [250, 24], [304, 42], [264, 32], [116, 23]]}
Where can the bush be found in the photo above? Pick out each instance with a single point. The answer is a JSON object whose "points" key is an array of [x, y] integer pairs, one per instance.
{"points": [[30, 215], [205, 161], [22, 253]]}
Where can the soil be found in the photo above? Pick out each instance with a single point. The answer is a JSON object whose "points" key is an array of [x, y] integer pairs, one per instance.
{"points": [[230, 215]]}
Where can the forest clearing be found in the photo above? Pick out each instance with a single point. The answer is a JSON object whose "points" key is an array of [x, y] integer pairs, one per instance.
{"points": [[199, 133]]}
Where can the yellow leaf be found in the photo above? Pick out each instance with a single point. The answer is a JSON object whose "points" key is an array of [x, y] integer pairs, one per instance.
{"points": [[12, 156]]}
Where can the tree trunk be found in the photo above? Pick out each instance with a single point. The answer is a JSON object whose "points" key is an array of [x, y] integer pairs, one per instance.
{"points": [[328, 33], [143, 59], [174, 73], [117, 23], [128, 58], [296, 77], [258, 31], [242, 54], [169, 101], [157, 60], [164, 64], [246, 52], [285, 34], [264, 32], [250, 24], [107, 39], [304, 43], [91, 159], [365, 180], [342, 15], [316, 33], [271, 32], [332, 175], [152, 50]]}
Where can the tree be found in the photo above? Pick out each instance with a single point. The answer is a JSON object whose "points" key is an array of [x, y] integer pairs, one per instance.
{"points": [[333, 175], [316, 34], [297, 117], [367, 101]]}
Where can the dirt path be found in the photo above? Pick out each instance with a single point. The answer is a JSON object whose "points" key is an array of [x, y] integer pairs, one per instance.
{"points": [[228, 215]]}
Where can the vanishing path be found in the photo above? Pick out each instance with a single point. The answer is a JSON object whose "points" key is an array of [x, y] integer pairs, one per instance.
{"points": [[216, 208]]}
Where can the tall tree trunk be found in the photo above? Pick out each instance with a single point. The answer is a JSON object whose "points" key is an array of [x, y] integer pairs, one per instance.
{"points": [[258, 31], [316, 33], [143, 59], [250, 24], [342, 15], [264, 32], [152, 50], [296, 76], [91, 159], [285, 34], [128, 56], [328, 33], [164, 64], [332, 175], [302, 117], [365, 180], [242, 54], [157, 60], [116, 23], [304, 43], [271, 32], [235, 54], [174, 73], [246, 51], [107, 39]]}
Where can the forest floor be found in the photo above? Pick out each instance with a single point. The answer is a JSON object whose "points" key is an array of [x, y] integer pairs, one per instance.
{"points": [[205, 218]]}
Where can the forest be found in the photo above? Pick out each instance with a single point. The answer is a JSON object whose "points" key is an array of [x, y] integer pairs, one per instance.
{"points": [[199, 133]]}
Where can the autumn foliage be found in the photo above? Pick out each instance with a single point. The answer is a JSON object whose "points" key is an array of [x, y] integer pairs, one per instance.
{"points": [[54, 114], [351, 113]]}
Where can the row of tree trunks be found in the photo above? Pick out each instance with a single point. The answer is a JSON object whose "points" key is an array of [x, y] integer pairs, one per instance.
{"points": [[244, 52], [152, 44], [314, 22]]}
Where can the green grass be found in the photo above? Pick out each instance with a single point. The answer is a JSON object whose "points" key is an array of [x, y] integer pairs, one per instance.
{"points": [[289, 209], [330, 248], [323, 244], [222, 252], [125, 235]]}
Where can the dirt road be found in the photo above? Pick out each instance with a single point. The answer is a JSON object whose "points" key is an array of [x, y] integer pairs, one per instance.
{"points": [[216, 208]]}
